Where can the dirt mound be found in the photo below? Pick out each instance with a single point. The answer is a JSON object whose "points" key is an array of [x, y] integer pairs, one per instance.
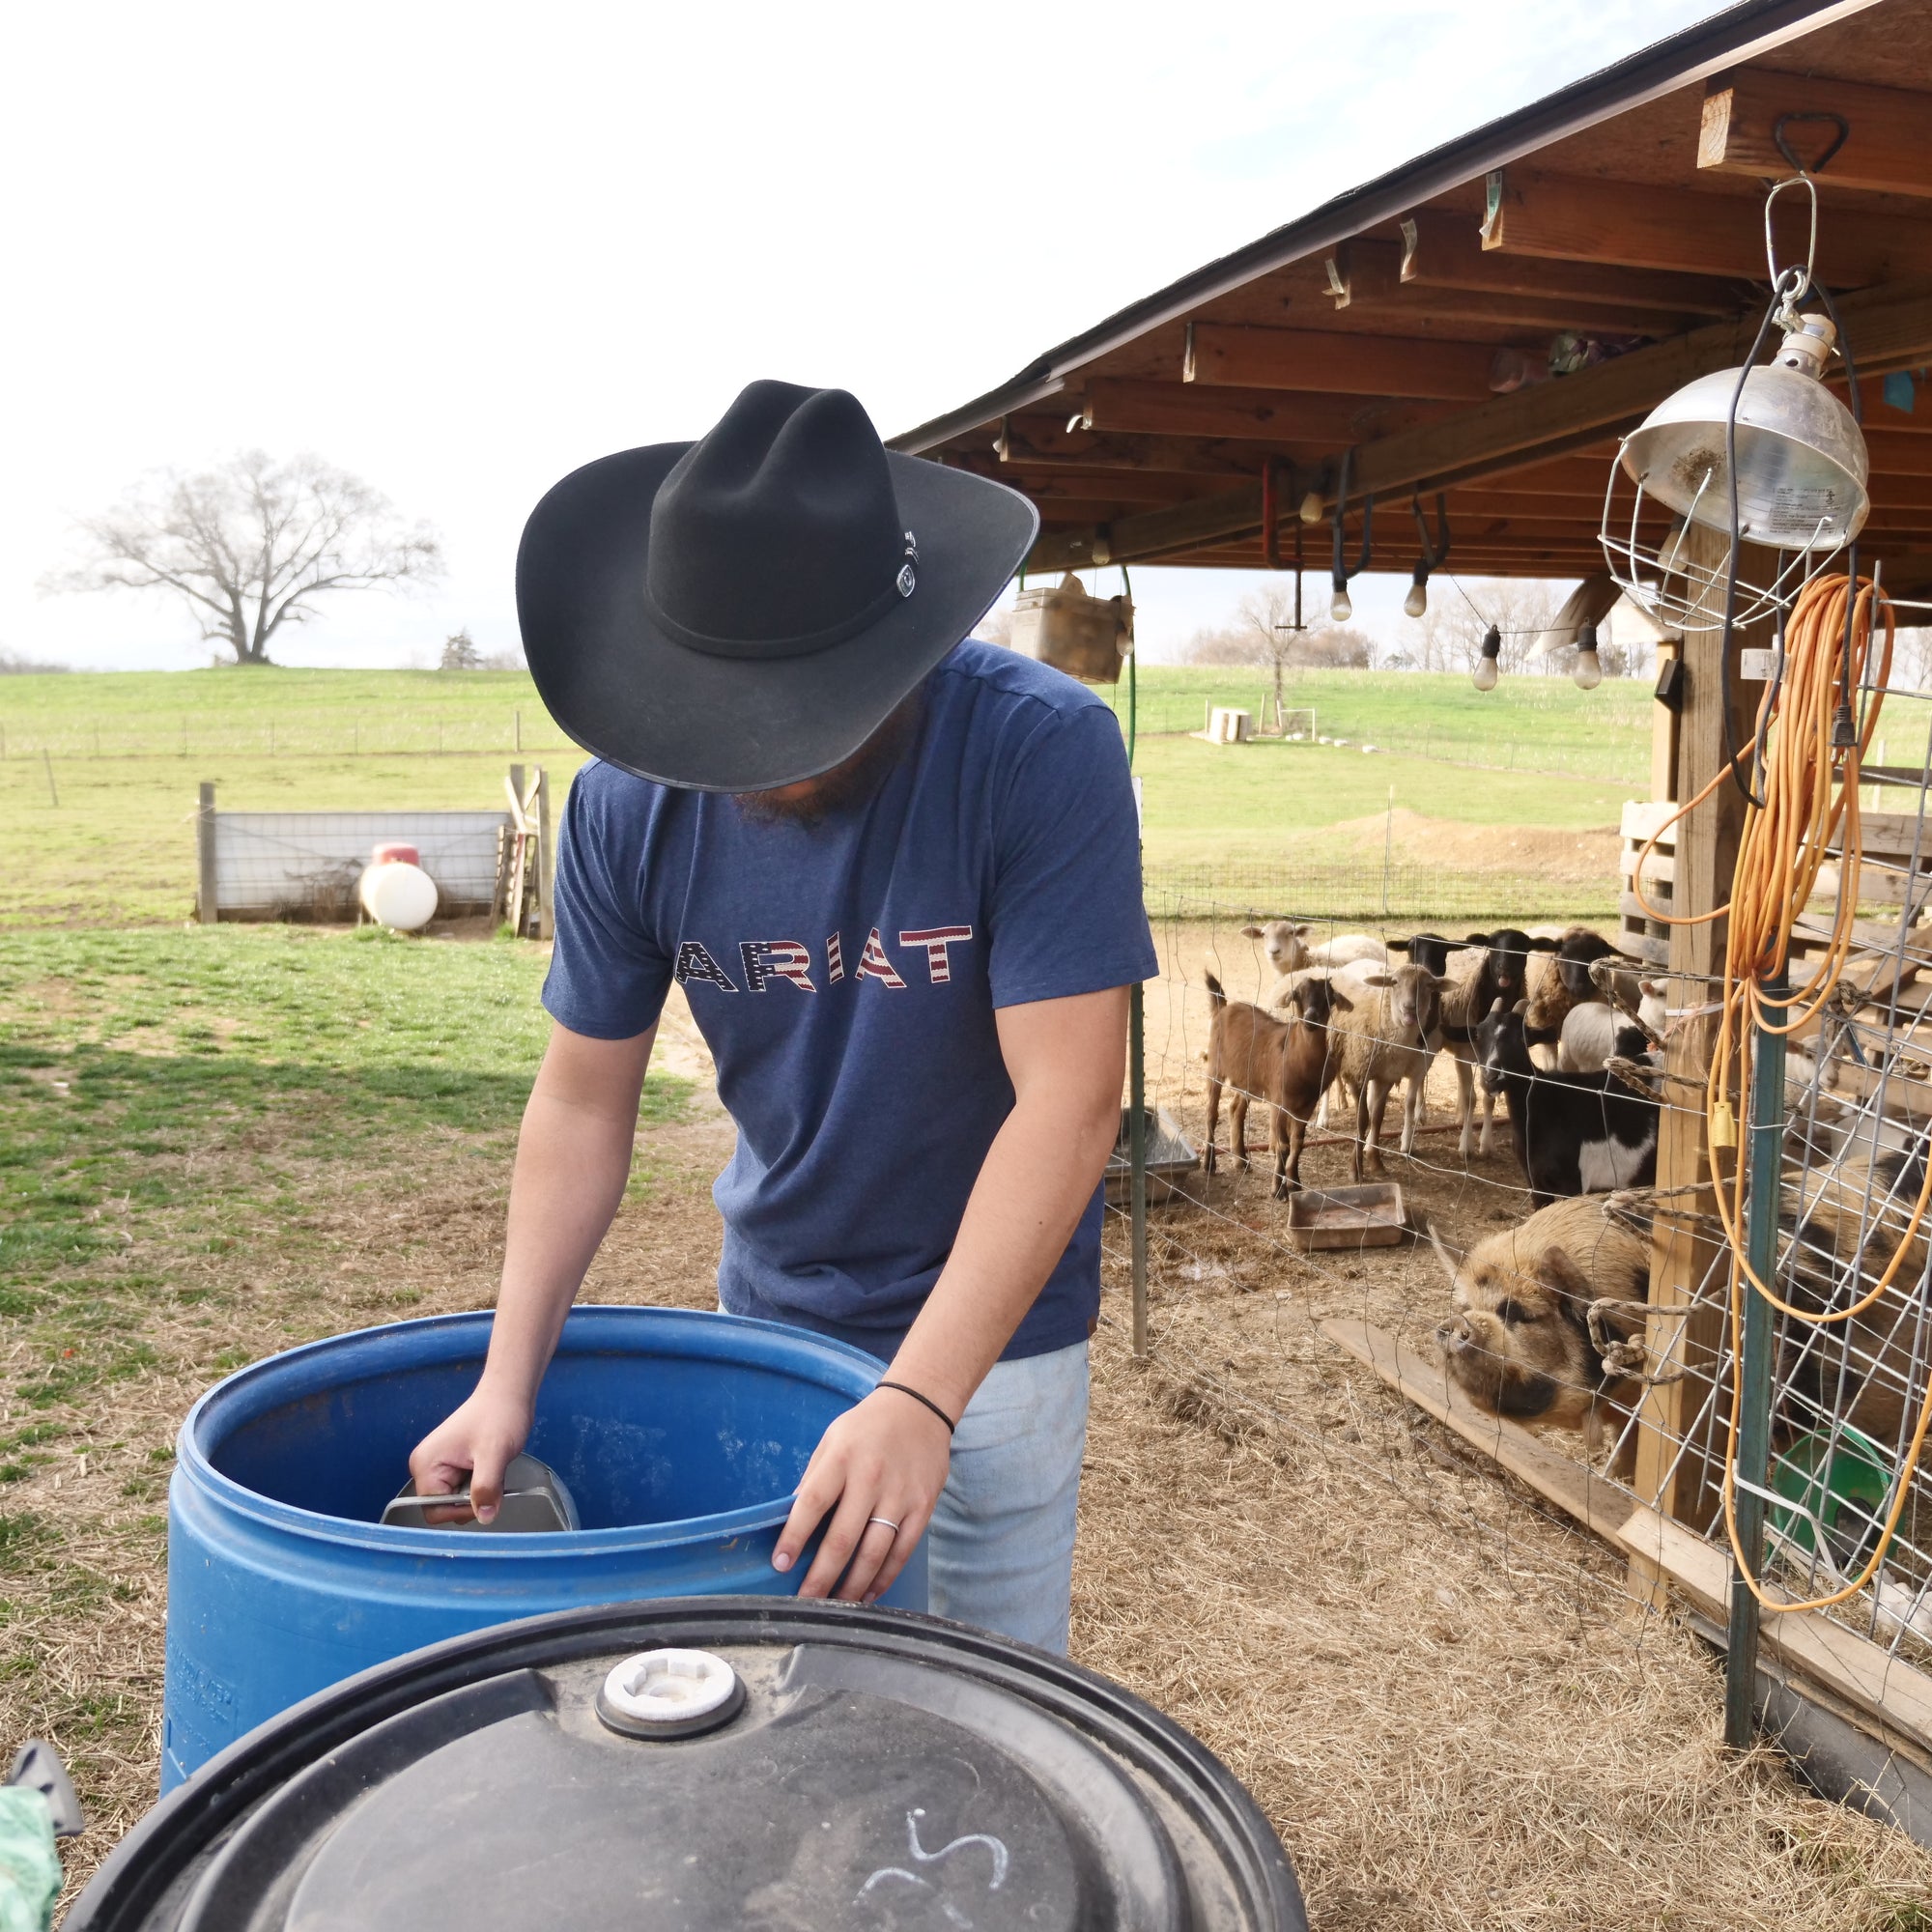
{"points": [[1585, 858]]}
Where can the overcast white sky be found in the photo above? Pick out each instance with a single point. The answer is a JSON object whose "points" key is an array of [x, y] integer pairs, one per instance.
{"points": [[461, 249]]}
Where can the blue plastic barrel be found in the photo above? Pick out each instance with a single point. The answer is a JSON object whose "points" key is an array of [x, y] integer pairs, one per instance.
{"points": [[682, 1437]]}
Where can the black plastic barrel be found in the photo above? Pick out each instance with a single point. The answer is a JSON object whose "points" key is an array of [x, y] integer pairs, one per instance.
{"points": [[708, 1765]]}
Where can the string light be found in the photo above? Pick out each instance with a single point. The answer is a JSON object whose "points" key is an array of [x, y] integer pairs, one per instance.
{"points": [[1589, 668], [1417, 603], [1339, 605], [1484, 677]]}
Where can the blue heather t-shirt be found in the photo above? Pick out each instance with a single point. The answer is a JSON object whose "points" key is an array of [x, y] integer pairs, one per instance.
{"points": [[845, 975]]}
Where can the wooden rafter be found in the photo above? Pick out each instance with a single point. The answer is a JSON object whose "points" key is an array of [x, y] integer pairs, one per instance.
{"points": [[1565, 218], [1888, 323], [1888, 144], [1444, 249], [1327, 364], [1179, 409]]}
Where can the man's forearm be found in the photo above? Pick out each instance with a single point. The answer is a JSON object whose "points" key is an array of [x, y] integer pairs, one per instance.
{"points": [[572, 1161], [1033, 1185]]}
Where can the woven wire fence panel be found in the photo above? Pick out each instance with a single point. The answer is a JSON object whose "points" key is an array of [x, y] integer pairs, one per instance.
{"points": [[307, 863], [1251, 1331], [1851, 1384]]}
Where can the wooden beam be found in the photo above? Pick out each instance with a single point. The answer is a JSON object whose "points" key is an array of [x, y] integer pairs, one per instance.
{"points": [[1417, 1376], [1684, 1260], [1531, 426], [1888, 148], [1567, 219], [1333, 364], [1864, 1674], [1183, 408], [1444, 249], [1035, 441], [1365, 278]]}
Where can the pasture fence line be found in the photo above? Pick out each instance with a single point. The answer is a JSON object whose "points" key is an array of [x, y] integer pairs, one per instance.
{"points": [[303, 733]]}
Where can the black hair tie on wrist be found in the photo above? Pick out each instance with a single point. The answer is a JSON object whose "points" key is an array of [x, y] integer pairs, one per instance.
{"points": [[924, 1401]]}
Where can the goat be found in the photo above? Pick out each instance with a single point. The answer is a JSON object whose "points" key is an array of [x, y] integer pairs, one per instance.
{"points": [[1287, 1063], [1544, 1315], [1289, 950], [1286, 944], [1593, 1032], [1624, 982], [1575, 1133], [1498, 974], [1564, 983], [1386, 1037]]}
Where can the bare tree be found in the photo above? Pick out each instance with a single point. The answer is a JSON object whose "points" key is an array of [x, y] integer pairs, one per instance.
{"points": [[460, 652], [250, 544], [1452, 633]]}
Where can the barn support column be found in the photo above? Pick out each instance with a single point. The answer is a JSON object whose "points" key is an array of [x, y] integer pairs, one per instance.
{"points": [[1676, 1422]]}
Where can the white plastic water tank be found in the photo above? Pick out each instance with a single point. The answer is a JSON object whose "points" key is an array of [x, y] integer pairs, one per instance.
{"points": [[395, 891]]}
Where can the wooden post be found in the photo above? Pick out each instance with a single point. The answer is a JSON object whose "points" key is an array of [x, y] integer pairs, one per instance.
{"points": [[546, 858], [1681, 1253], [203, 839], [1664, 728]]}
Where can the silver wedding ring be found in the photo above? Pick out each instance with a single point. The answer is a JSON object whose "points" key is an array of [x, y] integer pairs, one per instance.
{"points": [[883, 1522]]}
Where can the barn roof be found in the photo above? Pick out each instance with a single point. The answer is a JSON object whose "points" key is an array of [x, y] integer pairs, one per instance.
{"points": [[1625, 210]]}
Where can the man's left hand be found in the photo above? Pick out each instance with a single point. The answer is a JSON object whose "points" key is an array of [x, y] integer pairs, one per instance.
{"points": [[886, 1459]]}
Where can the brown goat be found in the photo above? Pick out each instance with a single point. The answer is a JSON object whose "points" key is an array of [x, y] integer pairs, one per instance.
{"points": [[1285, 1064]]}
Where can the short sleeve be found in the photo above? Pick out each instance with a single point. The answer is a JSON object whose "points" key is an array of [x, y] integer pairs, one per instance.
{"points": [[608, 976], [1068, 913]]}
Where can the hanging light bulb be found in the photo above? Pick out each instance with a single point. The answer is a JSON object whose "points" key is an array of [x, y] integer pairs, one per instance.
{"points": [[1484, 677], [1417, 603], [1339, 605], [1590, 670]]}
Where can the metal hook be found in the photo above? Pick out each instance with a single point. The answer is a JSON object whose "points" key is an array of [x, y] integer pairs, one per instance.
{"points": [[1432, 554], [1343, 572], [1823, 161], [1777, 276], [1270, 513]]}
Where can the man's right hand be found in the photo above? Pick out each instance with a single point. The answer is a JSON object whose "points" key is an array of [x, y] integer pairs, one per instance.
{"points": [[473, 1446]]}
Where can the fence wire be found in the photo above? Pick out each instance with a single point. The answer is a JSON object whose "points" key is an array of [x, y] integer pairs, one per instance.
{"points": [[1242, 1318]]}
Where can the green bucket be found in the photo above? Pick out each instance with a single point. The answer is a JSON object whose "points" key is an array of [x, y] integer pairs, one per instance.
{"points": [[1826, 1487]]}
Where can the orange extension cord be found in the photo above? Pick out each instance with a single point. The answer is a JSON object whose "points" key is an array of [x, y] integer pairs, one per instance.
{"points": [[1810, 788]]}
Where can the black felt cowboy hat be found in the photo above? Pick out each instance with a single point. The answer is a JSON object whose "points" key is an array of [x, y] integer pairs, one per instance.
{"points": [[744, 611]]}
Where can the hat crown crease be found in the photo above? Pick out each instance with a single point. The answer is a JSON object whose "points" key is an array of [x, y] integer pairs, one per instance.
{"points": [[778, 532]]}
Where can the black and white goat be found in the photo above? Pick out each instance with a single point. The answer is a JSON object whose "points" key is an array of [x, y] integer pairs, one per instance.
{"points": [[1575, 1133]]}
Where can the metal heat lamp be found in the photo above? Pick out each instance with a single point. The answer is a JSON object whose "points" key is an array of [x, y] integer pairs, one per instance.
{"points": [[1803, 470]]}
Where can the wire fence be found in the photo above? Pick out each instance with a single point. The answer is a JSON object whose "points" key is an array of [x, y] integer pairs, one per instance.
{"points": [[299, 732], [1544, 1325]]}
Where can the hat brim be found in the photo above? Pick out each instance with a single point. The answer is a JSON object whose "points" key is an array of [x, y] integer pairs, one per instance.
{"points": [[623, 689]]}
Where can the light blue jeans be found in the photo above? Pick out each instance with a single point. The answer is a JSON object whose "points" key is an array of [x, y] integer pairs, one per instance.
{"points": [[1000, 1550]]}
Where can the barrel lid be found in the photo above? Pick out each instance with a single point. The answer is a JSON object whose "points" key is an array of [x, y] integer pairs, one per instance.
{"points": [[859, 1768]]}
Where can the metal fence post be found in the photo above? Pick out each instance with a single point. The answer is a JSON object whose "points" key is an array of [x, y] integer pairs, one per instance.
{"points": [[205, 909], [1137, 1153], [1764, 1154]]}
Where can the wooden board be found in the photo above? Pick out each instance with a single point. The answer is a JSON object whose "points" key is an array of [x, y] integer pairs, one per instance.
{"points": [[1561, 1479], [1863, 1673], [1884, 148], [1852, 1667]]}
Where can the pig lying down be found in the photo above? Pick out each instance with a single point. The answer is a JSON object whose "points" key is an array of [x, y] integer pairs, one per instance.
{"points": [[1544, 1315]]}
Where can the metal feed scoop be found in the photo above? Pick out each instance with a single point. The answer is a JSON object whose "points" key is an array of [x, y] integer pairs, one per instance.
{"points": [[535, 1502]]}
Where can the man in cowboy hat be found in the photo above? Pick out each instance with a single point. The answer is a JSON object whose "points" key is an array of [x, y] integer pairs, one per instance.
{"points": [[898, 876]]}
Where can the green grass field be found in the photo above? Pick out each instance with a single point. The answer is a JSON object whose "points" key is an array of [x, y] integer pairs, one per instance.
{"points": [[98, 776], [1531, 724]]}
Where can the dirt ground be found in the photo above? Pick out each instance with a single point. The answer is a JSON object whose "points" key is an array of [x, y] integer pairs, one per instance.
{"points": [[1438, 1693]]}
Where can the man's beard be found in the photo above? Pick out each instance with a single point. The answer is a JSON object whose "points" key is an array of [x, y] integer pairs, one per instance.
{"points": [[852, 782]]}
